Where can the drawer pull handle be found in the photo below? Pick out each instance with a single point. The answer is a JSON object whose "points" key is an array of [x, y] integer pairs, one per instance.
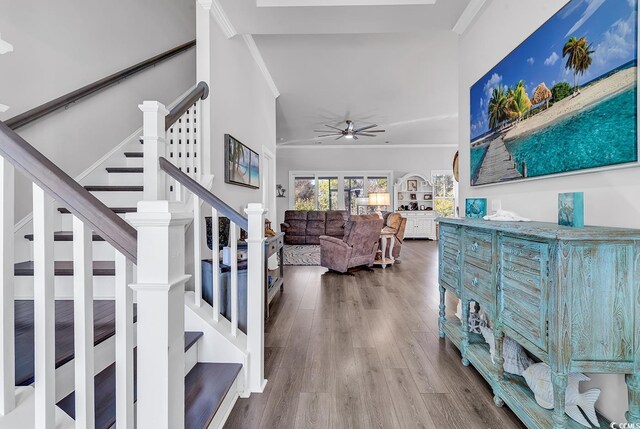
{"points": [[475, 246], [458, 257], [474, 282]]}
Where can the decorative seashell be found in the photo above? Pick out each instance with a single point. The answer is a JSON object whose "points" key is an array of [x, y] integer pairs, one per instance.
{"points": [[538, 377], [515, 358], [475, 323]]}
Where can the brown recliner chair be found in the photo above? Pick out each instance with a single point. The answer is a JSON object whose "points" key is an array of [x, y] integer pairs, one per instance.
{"points": [[358, 248], [398, 223]]}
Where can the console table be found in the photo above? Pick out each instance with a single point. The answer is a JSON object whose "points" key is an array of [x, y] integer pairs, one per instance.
{"points": [[569, 296]]}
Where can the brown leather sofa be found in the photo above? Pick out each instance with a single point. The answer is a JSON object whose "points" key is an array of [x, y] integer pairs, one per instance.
{"points": [[306, 227], [357, 248], [398, 223]]}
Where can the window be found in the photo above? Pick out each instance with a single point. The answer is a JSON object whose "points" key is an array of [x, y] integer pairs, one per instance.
{"points": [[332, 190], [445, 190], [328, 193], [305, 193], [353, 189]]}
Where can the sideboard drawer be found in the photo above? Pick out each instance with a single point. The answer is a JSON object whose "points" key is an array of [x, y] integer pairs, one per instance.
{"points": [[479, 286], [478, 249], [523, 288]]}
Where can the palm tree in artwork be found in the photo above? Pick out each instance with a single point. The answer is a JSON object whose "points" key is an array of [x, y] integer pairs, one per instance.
{"points": [[497, 107], [518, 102], [578, 51]]}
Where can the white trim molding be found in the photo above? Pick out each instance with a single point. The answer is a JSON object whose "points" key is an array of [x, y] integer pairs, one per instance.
{"points": [[257, 56], [468, 15], [296, 3], [5, 47], [222, 19]]}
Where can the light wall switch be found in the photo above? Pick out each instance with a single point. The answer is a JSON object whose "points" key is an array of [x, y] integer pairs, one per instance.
{"points": [[496, 205]]}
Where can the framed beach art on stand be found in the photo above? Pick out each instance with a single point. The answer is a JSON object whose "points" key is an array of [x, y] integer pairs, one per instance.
{"points": [[242, 165], [564, 101]]}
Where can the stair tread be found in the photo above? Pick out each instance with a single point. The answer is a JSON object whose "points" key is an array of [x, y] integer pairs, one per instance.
{"points": [[114, 188], [206, 386], [190, 338], [65, 268], [64, 236], [205, 390], [124, 170], [104, 328], [134, 154], [117, 210]]}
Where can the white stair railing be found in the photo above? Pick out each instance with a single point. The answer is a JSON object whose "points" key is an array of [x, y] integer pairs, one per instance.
{"points": [[51, 184]]}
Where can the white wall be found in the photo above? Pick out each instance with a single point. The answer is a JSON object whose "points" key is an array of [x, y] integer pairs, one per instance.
{"points": [[62, 45], [400, 160], [243, 105], [611, 197]]}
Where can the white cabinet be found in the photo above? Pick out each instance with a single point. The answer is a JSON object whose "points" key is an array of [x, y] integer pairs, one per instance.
{"points": [[420, 225]]}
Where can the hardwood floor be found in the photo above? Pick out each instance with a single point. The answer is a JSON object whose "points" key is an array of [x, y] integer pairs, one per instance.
{"points": [[363, 352]]}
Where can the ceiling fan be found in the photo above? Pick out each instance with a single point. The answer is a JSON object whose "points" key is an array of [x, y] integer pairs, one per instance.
{"points": [[349, 132]]}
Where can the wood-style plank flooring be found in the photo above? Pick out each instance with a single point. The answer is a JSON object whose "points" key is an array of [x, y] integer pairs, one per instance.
{"points": [[363, 352]]}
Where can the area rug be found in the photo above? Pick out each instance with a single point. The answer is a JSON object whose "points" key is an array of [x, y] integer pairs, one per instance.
{"points": [[297, 254]]}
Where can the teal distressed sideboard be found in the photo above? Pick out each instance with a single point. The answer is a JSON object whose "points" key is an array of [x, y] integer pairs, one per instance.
{"points": [[569, 296]]}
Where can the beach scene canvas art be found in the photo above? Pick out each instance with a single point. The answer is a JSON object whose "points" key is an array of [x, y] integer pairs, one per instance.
{"points": [[563, 101], [242, 164], [476, 208]]}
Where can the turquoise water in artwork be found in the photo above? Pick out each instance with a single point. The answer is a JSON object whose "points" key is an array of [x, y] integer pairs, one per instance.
{"points": [[477, 156], [600, 135]]}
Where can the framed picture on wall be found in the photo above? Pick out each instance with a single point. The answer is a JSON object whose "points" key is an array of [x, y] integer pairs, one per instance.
{"points": [[412, 185], [562, 102], [242, 165]]}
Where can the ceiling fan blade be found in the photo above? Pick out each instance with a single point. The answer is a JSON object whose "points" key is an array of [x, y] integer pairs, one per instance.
{"points": [[335, 128], [329, 135], [326, 131], [376, 131], [365, 128], [341, 135], [367, 135], [355, 137]]}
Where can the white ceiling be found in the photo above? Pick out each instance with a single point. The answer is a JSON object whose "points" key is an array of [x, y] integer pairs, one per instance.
{"points": [[395, 66]]}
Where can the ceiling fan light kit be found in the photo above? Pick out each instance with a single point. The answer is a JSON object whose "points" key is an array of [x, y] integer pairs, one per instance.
{"points": [[349, 133]]}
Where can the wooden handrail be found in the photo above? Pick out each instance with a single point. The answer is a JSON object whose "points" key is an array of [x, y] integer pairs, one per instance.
{"points": [[203, 193], [67, 99], [61, 187], [201, 91]]}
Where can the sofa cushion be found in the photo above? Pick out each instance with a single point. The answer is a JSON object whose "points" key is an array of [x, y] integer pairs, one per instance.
{"points": [[295, 214], [316, 227], [312, 239], [295, 239], [297, 227], [316, 215], [336, 221]]}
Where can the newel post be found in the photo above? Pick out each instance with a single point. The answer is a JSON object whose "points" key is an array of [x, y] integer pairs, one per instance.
{"points": [[155, 146], [255, 297], [160, 296]]}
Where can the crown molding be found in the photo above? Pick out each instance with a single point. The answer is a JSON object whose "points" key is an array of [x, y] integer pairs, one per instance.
{"points": [[468, 15], [257, 56], [222, 19], [369, 146]]}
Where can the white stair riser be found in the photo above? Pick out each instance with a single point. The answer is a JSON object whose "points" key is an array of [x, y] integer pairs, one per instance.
{"points": [[134, 162], [135, 179], [103, 287], [63, 251], [191, 358], [66, 221], [119, 199]]}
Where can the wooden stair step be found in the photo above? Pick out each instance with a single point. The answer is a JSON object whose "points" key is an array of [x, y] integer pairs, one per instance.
{"points": [[64, 236], [134, 154], [114, 188], [124, 170], [206, 386], [104, 328], [117, 210], [105, 390], [65, 268]]}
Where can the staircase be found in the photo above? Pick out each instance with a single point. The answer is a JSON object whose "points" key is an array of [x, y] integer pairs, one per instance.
{"points": [[126, 331]]}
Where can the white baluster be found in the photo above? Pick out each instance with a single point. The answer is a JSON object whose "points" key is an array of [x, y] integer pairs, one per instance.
{"points": [[182, 128], [124, 342], [255, 296], [154, 137], [233, 243], [83, 324], [7, 353], [44, 310], [197, 259], [190, 136], [197, 159], [215, 263]]}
